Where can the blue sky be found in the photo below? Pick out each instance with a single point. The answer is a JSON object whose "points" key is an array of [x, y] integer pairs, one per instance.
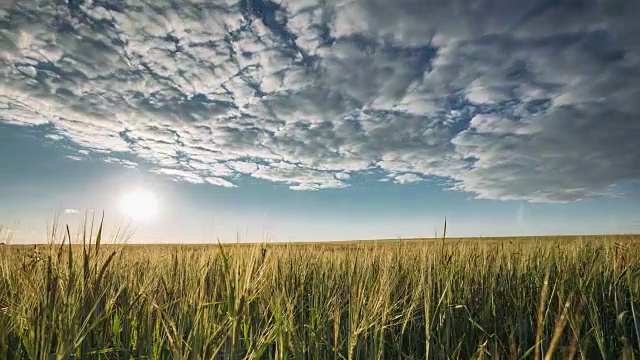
{"points": [[321, 120]]}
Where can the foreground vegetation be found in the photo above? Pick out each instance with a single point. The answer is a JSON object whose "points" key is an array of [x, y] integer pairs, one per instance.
{"points": [[536, 299]]}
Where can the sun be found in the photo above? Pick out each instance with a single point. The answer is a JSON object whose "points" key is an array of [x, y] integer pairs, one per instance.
{"points": [[140, 205]]}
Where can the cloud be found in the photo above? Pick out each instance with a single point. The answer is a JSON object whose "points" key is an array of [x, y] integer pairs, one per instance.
{"points": [[181, 175], [407, 179], [527, 100], [70, 211], [298, 177], [220, 182]]}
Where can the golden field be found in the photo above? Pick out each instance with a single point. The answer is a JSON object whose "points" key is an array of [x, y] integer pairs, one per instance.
{"points": [[498, 298]]}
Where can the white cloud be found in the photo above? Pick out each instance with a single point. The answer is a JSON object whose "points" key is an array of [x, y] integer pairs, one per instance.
{"points": [[243, 167], [180, 175], [70, 211], [298, 177], [529, 100], [220, 182], [407, 179], [492, 124], [124, 162]]}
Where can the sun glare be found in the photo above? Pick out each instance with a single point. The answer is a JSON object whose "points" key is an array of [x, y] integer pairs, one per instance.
{"points": [[139, 205]]}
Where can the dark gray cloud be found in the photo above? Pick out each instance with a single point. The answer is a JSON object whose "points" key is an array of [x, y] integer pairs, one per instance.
{"points": [[530, 100]]}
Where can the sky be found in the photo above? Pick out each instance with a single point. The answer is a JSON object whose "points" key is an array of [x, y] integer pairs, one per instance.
{"points": [[303, 120]]}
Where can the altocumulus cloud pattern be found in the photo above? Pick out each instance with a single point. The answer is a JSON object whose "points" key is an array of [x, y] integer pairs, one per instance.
{"points": [[513, 99]]}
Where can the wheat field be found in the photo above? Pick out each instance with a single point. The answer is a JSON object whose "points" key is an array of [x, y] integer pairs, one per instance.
{"points": [[526, 298]]}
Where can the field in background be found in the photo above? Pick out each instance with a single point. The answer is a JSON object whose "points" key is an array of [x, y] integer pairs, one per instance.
{"points": [[565, 297]]}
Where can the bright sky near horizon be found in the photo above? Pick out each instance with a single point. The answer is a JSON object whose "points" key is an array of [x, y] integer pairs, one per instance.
{"points": [[321, 120]]}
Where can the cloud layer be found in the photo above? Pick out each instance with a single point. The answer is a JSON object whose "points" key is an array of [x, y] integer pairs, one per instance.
{"points": [[523, 99]]}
